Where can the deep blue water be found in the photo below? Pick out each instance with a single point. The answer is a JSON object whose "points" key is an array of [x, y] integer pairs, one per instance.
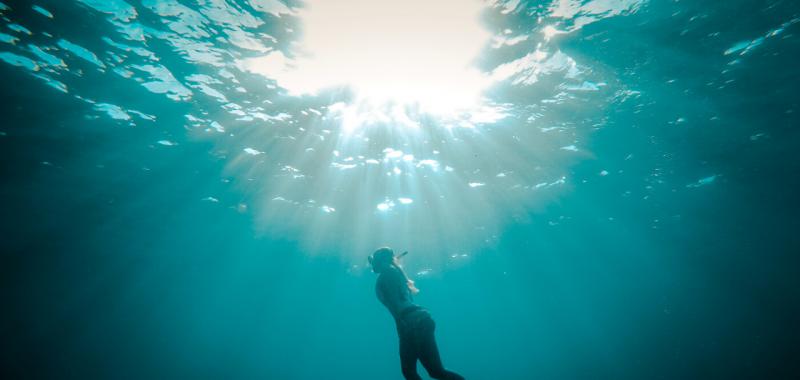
{"points": [[621, 204]]}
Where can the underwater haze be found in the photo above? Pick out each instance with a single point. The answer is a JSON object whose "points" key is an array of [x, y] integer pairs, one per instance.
{"points": [[588, 189]]}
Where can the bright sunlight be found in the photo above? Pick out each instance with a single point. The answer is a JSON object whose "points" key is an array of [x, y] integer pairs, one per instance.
{"points": [[413, 52]]}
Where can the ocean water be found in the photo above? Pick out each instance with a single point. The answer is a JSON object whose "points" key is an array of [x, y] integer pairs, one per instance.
{"points": [[588, 189]]}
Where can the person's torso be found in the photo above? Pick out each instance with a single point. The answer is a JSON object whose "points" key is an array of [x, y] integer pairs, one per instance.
{"points": [[393, 292]]}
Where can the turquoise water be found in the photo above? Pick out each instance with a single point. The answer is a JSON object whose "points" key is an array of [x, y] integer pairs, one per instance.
{"points": [[187, 193]]}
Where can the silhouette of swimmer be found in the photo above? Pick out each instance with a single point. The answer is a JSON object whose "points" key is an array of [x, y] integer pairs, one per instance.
{"points": [[415, 327]]}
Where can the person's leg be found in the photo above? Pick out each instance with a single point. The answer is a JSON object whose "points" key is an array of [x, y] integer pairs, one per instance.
{"points": [[429, 352], [408, 358]]}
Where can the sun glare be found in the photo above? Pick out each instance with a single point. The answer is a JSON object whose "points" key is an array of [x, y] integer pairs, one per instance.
{"points": [[412, 52]]}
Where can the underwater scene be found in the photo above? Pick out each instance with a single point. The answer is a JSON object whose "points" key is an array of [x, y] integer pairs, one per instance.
{"points": [[571, 189]]}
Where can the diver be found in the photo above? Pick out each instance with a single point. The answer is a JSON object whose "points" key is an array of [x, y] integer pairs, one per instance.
{"points": [[415, 327]]}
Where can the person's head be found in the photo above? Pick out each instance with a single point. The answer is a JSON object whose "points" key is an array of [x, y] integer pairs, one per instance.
{"points": [[382, 259]]}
